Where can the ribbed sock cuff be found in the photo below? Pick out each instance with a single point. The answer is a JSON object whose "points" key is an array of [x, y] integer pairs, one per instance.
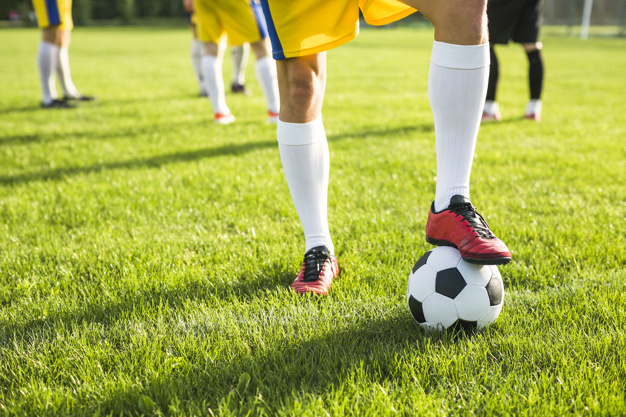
{"points": [[298, 134], [448, 55]]}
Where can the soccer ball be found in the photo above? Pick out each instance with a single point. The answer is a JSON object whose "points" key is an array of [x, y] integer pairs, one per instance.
{"points": [[445, 291]]}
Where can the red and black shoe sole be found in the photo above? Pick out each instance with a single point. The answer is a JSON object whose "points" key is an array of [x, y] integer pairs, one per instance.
{"points": [[501, 260]]}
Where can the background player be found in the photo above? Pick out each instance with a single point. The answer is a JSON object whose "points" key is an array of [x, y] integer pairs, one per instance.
{"points": [[239, 55], [242, 21], [55, 20], [517, 20], [301, 32]]}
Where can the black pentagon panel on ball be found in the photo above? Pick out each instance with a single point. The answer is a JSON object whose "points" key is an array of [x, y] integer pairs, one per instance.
{"points": [[464, 325], [421, 261], [495, 291], [416, 310], [449, 282]]}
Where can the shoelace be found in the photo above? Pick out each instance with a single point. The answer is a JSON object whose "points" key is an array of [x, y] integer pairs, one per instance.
{"points": [[314, 262], [469, 213]]}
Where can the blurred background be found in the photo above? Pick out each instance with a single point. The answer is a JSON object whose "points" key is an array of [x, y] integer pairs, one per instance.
{"points": [[569, 17]]}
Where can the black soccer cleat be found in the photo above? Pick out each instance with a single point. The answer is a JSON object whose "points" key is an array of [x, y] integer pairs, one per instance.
{"points": [[318, 270], [79, 98], [57, 104], [240, 89]]}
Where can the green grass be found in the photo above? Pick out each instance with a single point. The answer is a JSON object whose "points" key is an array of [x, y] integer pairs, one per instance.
{"points": [[145, 253]]}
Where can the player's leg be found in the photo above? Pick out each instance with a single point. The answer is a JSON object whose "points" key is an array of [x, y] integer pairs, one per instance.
{"points": [[527, 34], [240, 55], [63, 67], [457, 85], [63, 62], [265, 69], [305, 158], [491, 111], [457, 22], [47, 57], [535, 80], [195, 53], [195, 50], [49, 18], [244, 22], [64, 73], [212, 57], [503, 17], [301, 136], [211, 34]]}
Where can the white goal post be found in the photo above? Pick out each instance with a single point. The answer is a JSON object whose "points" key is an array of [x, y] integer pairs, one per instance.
{"points": [[584, 26], [586, 18]]}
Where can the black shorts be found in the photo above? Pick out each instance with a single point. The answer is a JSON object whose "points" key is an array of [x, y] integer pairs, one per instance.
{"points": [[516, 20]]}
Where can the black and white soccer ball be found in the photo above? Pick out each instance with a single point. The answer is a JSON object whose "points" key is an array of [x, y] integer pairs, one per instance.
{"points": [[445, 291]]}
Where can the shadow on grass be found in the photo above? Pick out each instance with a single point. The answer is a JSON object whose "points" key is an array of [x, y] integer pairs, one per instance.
{"points": [[370, 348], [367, 350], [24, 109], [19, 139], [96, 103], [506, 121], [153, 295], [22, 139], [151, 162], [59, 174]]}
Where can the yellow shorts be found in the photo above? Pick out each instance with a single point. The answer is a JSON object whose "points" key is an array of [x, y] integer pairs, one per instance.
{"points": [[241, 20], [54, 12], [305, 27]]}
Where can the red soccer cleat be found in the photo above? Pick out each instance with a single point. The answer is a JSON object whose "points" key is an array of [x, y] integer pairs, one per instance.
{"points": [[223, 119], [533, 116], [272, 117], [319, 268], [461, 226], [491, 117]]}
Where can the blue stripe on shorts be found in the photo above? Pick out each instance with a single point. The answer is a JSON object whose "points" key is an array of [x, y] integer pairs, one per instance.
{"points": [[260, 19], [53, 13], [277, 47]]}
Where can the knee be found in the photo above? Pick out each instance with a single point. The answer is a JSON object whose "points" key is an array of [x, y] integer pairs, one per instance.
{"points": [[303, 80], [301, 84], [52, 35], [65, 37], [534, 46], [471, 15], [211, 48], [470, 10], [461, 21], [301, 87], [261, 48]]}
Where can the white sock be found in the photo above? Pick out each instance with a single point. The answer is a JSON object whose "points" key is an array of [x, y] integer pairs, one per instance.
{"points": [[214, 83], [240, 56], [196, 59], [266, 74], [65, 76], [306, 162], [533, 107], [47, 57], [491, 107], [457, 87]]}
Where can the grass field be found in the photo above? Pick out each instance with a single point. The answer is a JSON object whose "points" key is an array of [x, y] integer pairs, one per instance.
{"points": [[145, 253]]}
